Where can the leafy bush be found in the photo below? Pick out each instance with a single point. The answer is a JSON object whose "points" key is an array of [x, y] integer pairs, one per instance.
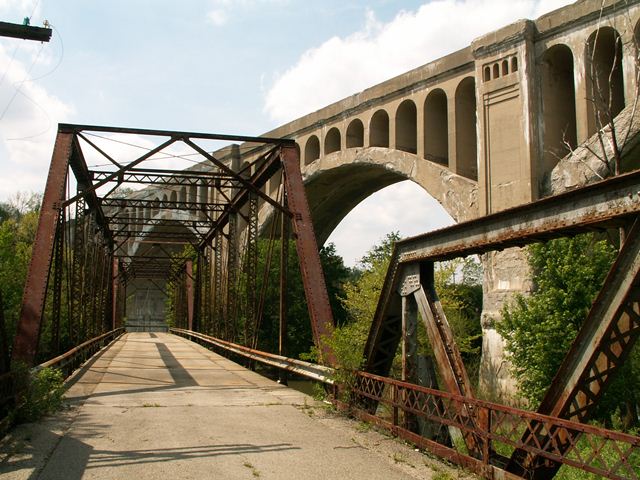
{"points": [[39, 393], [539, 329]]}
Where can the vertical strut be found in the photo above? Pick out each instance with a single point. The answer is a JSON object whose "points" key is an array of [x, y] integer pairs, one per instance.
{"points": [[232, 275], [188, 267], [284, 265], [251, 263], [217, 292], [58, 261]]}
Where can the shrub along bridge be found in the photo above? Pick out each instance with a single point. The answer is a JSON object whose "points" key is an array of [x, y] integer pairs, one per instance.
{"points": [[199, 246]]}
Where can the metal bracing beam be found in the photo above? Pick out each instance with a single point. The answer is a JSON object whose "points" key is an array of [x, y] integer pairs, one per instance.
{"points": [[161, 205], [603, 343], [170, 178], [75, 128], [606, 204], [259, 178], [310, 267], [110, 178], [26, 340]]}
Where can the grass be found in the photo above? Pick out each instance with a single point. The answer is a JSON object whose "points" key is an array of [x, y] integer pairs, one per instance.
{"points": [[254, 471]]}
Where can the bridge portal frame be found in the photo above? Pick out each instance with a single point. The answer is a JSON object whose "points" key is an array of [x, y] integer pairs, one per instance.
{"points": [[100, 264]]}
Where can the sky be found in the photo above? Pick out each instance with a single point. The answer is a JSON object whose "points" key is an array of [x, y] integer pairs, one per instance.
{"points": [[226, 66]]}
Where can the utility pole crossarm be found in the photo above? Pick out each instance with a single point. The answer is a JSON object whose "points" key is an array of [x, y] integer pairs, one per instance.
{"points": [[26, 32]]}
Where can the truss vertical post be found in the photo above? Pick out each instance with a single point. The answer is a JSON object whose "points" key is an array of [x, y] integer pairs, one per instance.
{"points": [[251, 264], [115, 292], [218, 319], [232, 275], [310, 267], [26, 340], [58, 261], [284, 266], [197, 294], [207, 293], [189, 291]]}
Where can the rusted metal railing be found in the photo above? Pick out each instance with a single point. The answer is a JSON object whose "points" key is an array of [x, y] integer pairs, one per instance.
{"points": [[69, 361], [312, 371], [66, 363], [499, 428]]}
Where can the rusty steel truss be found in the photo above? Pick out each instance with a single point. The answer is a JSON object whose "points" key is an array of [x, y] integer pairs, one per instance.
{"points": [[191, 236], [604, 341]]}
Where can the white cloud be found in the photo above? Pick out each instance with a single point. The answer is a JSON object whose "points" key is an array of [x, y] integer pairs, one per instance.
{"points": [[342, 66], [28, 118], [386, 211], [222, 11]]}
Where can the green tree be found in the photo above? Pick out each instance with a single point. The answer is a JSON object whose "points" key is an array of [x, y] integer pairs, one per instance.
{"points": [[18, 224], [540, 328], [299, 334]]}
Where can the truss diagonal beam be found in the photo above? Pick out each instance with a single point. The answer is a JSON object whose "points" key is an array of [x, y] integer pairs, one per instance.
{"points": [[603, 343], [26, 339], [310, 267]]}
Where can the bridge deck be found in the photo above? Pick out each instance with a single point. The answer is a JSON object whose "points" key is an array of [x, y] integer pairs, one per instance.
{"points": [[159, 406]]}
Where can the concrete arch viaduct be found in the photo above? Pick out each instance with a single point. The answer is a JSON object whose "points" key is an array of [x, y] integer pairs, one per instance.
{"points": [[481, 130]]}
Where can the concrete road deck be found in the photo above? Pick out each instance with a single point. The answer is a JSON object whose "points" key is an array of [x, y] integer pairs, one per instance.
{"points": [[158, 406]]}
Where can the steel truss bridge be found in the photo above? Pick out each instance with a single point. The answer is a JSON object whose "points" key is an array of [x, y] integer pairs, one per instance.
{"points": [[202, 251]]}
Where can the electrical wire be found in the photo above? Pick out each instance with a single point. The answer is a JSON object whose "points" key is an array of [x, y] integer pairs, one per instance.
{"points": [[21, 84], [32, 100]]}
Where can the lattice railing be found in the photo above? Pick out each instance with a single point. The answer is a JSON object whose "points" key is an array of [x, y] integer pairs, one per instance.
{"points": [[499, 429]]}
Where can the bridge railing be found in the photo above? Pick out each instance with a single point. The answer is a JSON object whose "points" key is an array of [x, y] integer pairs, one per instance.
{"points": [[498, 428], [66, 363], [312, 371]]}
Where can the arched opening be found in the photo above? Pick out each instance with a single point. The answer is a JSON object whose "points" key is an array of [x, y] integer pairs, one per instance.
{"points": [[514, 64], [174, 196], [558, 105], [355, 134], [353, 237], [604, 75], [496, 70], [466, 120], [183, 194], [311, 150], [333, 194], [406, 127], [505, 67], [487, 74], [332, 141], [379, 129], [436, 127]]}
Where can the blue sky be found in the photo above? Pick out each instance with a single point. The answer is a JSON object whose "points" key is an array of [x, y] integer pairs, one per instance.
{"points": [[227, 66]]}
